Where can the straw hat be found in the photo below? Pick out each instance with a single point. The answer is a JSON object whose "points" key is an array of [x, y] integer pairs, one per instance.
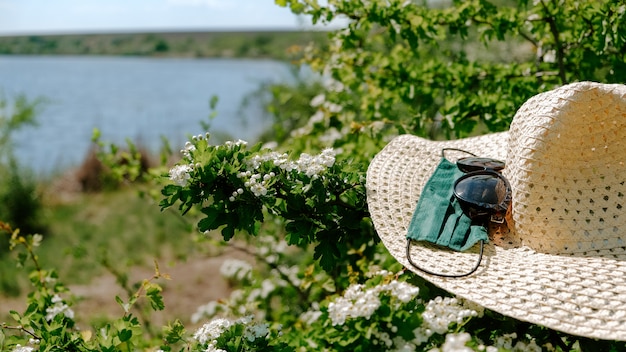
{"points": [[562, 262]]}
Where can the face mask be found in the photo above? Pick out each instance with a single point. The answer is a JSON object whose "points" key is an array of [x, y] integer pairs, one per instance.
{"points": [[439, 218]]}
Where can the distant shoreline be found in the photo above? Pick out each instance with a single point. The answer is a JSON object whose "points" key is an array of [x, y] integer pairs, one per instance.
{"points": [[267, 44]]}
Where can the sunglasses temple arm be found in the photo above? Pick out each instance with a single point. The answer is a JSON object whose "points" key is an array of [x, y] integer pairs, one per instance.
{"points": [[480, 258]]}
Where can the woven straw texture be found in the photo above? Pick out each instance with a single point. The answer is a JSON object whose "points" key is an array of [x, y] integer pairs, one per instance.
{"points": [[563, 264]]}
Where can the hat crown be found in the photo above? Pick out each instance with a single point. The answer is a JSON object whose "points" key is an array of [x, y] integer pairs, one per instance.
{"points": [[566, 165]]}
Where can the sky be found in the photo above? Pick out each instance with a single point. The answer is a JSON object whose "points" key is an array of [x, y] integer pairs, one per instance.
{"points": [[94, 16]]}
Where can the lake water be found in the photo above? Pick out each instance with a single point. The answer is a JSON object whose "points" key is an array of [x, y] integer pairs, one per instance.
{"points": [[137, 98]]}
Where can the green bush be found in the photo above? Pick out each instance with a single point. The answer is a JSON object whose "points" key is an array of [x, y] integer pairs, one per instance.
{"points": [[20, 198]]}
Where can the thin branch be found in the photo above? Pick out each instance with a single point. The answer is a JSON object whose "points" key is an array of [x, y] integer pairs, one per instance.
{"points": [[560, 57], [20, 328], [274, 266]]}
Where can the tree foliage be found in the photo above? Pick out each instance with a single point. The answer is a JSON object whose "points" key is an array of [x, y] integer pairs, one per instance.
{"points": [[463, 68]]}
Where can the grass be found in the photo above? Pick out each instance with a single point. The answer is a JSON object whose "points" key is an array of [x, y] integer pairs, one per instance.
{"points": [[117, 226]]}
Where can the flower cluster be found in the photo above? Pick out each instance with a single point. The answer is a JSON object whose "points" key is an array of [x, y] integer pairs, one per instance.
{"points": [[360, 302], [210, 332], [235, 269], [310, 165], [506, 342], [314, 165], [180, 174], [456, 343], [235, 194], [20, 348], [58, 307], [356, 302], [257, 184], [188, 150], [237, 143], [441, 312], [256, 331]]}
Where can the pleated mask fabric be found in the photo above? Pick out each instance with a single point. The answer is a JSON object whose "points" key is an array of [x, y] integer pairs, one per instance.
{"points": [[438, 217]]}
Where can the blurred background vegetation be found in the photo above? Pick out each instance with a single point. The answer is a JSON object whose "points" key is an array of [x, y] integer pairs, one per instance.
{"points": [[236, 44]]}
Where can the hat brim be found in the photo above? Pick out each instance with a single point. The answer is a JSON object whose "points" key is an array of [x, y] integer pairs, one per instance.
{"points": [[580, 295]]}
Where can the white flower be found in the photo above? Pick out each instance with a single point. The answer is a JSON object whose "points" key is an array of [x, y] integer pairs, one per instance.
{"points": [[529, 347], [180, 174], [213, 348], [441, 312], [330, 136], [59, 307], [402, 345], [533, 17], [189, 147], [257, 183], [334, 85], [206, 310], [456, 343], [318, 100], [235, 269], [396, 27], [310, 316], [549, 56], [356, 302], [212, 330], [256, 331], [20, 348], [316, 118], [315, 165], [403, 291], [237, 143], [506, 341], [258, 189]]}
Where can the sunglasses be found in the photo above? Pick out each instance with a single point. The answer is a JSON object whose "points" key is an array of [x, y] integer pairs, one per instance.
{"points": [[484, 195]]}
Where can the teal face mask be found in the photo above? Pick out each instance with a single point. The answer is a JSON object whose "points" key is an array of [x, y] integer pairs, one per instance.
{"points": [[439, 217]]}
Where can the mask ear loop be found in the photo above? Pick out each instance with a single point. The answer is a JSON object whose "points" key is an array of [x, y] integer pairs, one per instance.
{"points": [[480, 258], [458, 150]]}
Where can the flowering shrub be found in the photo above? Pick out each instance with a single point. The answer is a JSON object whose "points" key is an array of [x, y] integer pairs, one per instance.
{"points": [[321, 200]]}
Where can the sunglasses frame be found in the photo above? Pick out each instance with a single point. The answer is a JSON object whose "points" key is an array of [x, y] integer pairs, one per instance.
{"points": [[478, 210]]}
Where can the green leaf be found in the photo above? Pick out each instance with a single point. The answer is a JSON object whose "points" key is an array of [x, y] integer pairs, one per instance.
{"points": [[174, 332], [324, 252], [208, 222], [125, 335], [170, 190], [153, 291], [228, 232], [124, 306]]}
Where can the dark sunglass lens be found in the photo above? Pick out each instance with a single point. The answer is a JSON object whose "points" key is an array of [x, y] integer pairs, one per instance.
{"points": [[476, 164], [486, 189]]}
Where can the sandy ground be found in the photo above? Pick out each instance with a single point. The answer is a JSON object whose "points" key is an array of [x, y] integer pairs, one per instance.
{"points": [[192, 283]]}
